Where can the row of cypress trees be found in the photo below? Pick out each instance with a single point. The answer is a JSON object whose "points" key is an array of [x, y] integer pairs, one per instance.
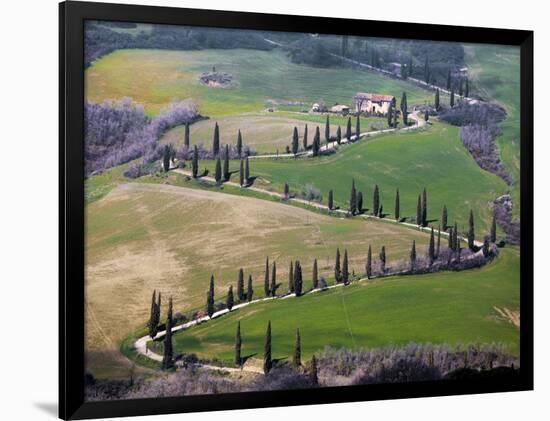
{"points": [[268, 357]]}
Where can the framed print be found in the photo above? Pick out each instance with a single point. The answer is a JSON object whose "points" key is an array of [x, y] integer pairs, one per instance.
{"points": [[266, 210]]}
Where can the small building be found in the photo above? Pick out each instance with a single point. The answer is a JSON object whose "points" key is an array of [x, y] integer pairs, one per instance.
{"points": [[377, 104], [340, 109], [395, 68], [318, 108]]}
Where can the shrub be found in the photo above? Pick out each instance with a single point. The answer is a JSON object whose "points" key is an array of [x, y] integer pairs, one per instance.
{"points": [[311, 193]]}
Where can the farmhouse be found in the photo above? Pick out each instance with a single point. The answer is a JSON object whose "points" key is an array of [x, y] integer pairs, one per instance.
{"points": [[373, 103]]}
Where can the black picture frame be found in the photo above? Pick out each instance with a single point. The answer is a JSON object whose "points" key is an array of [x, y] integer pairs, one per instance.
{"points": [[71, 203]]}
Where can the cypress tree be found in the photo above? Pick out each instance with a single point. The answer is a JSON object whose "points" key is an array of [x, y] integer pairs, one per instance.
{"points": [[240, 285], [436, 100], [316, 142], [230, 298], [461, 87], [304, 140], [348, 130], [494, 229], [337, 273], [431, 248], [327, 130], [413, 256], [330, 200], [286, 191], [274, 280], [353, 199], [249, 290], [313, 371], [166, 158], [297, 278], [153, 323], [383, 259], [368, 266], [357, 128], [410, 66], [424, 208], [218, 171], [246, 171], [376, 201], [427, 70], [297, 357], [390, 115], [426, 116], [449, 79], [268, 363], [359, 202], [339, 135], [186, 136], [168, 357], [267, 288], [438, 248], [471, 231], [195, 162], [486, 249], [467, 89], [452, 100], [315, 275], [238, 344], [295, 141], [210, 298], [157, 316], [345, 270], [226, 173], [216, 141], [450, 239], [397, 212], [291, 277], [444, 217], [419, 212], [456, 238], [404, 108], [241, 173], [239, 144]]}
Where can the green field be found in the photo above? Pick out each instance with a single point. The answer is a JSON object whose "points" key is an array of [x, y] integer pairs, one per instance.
{"points": [[495, 72], [155, 78], [432, 158], [448, 307], [265, 132]]}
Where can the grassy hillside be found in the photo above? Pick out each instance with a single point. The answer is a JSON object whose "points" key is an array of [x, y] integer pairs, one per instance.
{"points": [[156, 77], [264, 132], [453, 308], [142, 237], [495, 72], [433, 158]]}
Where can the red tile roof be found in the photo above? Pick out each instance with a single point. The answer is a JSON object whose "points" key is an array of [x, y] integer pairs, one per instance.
{"points": [[374, 97]]}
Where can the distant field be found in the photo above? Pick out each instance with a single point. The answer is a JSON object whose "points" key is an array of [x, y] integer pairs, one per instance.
{"points": [[495, 71], [266, 132], [142, 237], [154, 78], [448, 307], [432, 158]]}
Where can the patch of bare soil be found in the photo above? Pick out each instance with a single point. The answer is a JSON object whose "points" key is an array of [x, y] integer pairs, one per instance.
{"points": [[513, 316]]}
